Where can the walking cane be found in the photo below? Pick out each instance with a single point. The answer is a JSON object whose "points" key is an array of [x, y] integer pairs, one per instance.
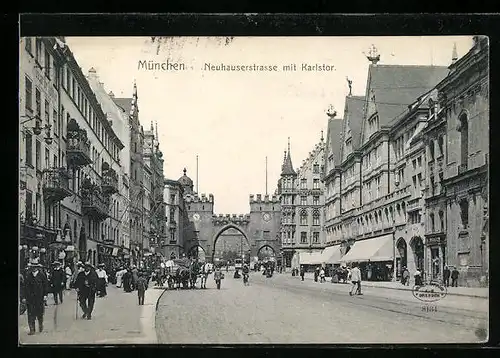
{"points": [[76, 307]]}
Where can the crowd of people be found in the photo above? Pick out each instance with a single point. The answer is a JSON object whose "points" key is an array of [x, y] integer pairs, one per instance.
{"points": [[36, 282]]}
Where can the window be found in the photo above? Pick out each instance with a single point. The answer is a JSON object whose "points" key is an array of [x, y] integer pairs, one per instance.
{"points": [[28, 45], [29, 205], [47, 64], [315, 200], [316, 218], [68, 79], [38, 100], [29, 94], [47, 112], [303, 237], [303, 217], [56, 72], [172, 198], [316, 168], [55, 163], [431, 150], [172, 235], [464, 141], [464, 213], [431, 218], [316, 237], [29, 150], [267, 235], [441, 221], [303, 200], [419, 162], [303, 183], [316, 184], [38, 154], [55, 120], [440, 145], [38, 49]]}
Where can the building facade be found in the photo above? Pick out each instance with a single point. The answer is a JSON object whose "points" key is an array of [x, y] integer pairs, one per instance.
{"points": [[463, 104], [118, 119], [302, 203], [176, 219], [379, 172], [75, 174]]}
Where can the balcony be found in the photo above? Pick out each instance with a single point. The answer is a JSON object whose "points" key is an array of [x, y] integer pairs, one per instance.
{"points": [[109, 180], [413, 205], [78, 145], [462, 168], [55, 184], [95, 204]]}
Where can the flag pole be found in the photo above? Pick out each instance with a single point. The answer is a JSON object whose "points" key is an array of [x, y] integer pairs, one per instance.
{"points": [[197, 174], [266, 175]]}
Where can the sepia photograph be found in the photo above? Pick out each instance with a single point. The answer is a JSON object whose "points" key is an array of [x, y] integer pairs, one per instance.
{"points": [[253, 190]]}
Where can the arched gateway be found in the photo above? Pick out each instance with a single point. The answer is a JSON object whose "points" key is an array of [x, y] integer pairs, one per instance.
{"points": [[203, 228]]}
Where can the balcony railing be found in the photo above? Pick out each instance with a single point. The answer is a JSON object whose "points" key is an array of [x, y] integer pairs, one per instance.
{"points": [[413, 204], [55, 184], [94, 204], [78, 148], [109, 182]]}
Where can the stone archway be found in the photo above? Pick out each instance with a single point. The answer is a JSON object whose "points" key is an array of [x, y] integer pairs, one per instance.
{"points": [[417, 247], [221, 231], [263, 252], [194, 252]]}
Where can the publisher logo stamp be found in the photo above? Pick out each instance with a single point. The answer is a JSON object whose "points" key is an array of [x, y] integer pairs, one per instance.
{"points": [[431, 292]]}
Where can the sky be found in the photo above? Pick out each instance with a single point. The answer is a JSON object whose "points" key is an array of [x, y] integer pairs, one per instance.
{"points": [[234, 120]]}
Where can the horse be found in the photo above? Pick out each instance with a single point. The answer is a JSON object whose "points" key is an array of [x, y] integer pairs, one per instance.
{"points": [[205, 270], [193, 274]]}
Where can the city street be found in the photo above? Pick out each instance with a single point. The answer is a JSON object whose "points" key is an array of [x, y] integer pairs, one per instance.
{"points": [[117, 319], [282, 309]]}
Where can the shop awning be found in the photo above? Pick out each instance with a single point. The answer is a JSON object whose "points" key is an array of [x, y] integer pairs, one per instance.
{"points": [[331, 255], [376, 250], [310, 258]]}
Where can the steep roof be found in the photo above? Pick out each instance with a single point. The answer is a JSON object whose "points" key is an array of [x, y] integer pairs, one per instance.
{"points": [[287, 168], [396, 86], [334, 140], [125, 103], [353, 115]]}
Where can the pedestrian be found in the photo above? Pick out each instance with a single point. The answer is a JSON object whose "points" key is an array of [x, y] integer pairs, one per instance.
{"points": [[316, 274], [127, 281], [119, 277], [102, 280], [135, 272], [68, 274], [405, 280], [454, 277], [355, 274], [302, 273], [79, 268], [22, 294], [446, 276], [322, 275], [418, 277], [218, 276], [36, 288], [86, 287], [57, 282], [142, 286]]}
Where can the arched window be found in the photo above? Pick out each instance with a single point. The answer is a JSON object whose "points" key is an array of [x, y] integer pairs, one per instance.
{"points": [[316, 217], [303, 217], [464, 141]]}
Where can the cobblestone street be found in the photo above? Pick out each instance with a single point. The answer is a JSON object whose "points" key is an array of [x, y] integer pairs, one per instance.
{"points": [[283, 309], [117, 319]]}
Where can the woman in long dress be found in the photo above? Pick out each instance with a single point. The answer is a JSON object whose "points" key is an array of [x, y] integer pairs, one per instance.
{"points": [[127, 281], [119, 276]]}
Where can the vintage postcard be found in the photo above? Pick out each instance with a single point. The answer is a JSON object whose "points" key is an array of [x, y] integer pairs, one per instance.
{"points": [[263, 190]]}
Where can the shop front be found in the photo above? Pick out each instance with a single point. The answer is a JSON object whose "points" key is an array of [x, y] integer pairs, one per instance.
{"points": [[34, 244], [310, 260], [375, 257], [331, 258]]}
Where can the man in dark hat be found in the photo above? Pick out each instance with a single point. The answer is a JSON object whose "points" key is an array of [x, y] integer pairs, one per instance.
{"points": [[86, 286], [36, 288], [57, 282], [142, 286]]}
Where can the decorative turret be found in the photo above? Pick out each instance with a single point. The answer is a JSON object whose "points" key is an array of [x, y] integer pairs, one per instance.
{"points": [[454, 54], [287, 168], [186, 182]]}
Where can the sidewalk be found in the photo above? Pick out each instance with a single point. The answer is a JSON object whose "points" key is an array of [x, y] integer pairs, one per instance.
{"points": [[116, 319], [477, 292]]}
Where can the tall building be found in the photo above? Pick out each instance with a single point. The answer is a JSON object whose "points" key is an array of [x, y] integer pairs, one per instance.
{"points": [[76, 181], [119, 120], [302, 202], [137, 190], [379, 166], [457, 185], [176, 217]]}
